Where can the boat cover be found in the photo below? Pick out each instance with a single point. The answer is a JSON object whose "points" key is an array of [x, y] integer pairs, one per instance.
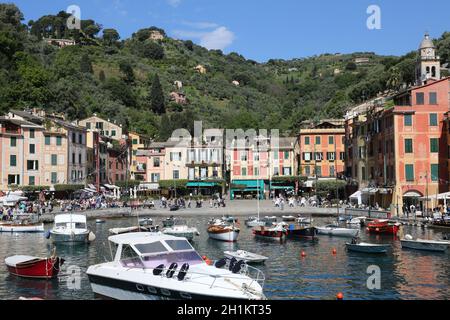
{"points": [[15, 260]]}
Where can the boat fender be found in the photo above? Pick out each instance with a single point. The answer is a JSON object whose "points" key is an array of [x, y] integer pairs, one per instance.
{"points": [[158, 270], [408, 237], [173, 267], [91, 236], [238, 266], [183, 272], [220, 263], [47, 234], [232, 263]]}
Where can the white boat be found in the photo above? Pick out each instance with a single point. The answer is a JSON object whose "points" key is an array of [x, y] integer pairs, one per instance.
{"points": [[182, 231], [254, 222], [71, 228], [288, 218], [154, 266], [332, 230], [145, 222], [116, 231], [247, 257], [222, 231], [98, 221], [303, 220], [426, 245], [368, 247], [18, 226], [358, 221]]}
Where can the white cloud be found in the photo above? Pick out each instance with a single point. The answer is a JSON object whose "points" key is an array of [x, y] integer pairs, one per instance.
{"points": [[200, 25], [219, 38], [174, 3]]}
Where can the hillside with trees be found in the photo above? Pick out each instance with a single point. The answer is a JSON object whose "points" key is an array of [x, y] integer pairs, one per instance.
{"points": [[131, 80]]}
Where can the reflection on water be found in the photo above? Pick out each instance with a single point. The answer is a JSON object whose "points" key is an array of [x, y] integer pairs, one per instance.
{"points": [[405, 274]]}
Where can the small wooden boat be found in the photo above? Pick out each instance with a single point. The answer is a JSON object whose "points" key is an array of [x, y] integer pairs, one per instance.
{"points": [[222, 231], [288, 218], [333, 230], [383, 227], [358, 221], [277, 233], [302, 233], [116, 231], [247, 257], [427, 245], [23, 223], [367, 247], [34, 267]]}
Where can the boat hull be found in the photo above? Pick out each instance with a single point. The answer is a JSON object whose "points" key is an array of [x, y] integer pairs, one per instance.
{"points": [[338, 232], [228, 236], [26, 229], [245, 258], [189, 235], [40, 269], [302, 233], [269, 235], [70, 237], [383, 229], [367, 249], [425, 246]]}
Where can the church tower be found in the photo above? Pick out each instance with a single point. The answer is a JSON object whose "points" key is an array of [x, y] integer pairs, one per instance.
{"points": [[428, 64]]}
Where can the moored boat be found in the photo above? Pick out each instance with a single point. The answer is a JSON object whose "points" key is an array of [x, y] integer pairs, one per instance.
{"points": [[427, 245], [22, 223], [288, 218], [254, 222], [182, 231], [152, 266], [34, 267], [168, 222], [145, 222], [71, 228], [304, 220], [303, 233], [367, 247], [277, 232], [223, 231], [247, 257], [383, 227], [333, 230]]}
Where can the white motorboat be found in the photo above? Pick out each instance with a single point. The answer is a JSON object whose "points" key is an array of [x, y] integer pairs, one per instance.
{"points": [[22, 223], [71, 228], [222, 231], [145, 222], [288, 218], [358, 221], [182, 231], [368, 247], [304, 220], [254, 222], [426, 245], [247, 257], [154, 266], [333, 230], [116, 231]]}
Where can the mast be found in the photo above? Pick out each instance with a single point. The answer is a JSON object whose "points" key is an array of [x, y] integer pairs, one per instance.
{"points": [[335, 172]]}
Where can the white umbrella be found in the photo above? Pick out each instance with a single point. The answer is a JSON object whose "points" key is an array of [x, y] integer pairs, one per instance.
{"points": [[135, 192]]}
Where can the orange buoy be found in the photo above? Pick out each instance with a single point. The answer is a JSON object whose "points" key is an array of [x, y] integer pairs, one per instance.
{"points": [[303, 254], [340, 296], [334, 251], [205, 258]]}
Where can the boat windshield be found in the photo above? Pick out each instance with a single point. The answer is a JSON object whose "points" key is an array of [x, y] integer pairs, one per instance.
{"points": [[77, 225], [181, 257]]}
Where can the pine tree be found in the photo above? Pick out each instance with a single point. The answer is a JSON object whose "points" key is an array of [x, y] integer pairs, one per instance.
{"points": [[127, 71], [157, 96], [86, 64], [101, 76]]}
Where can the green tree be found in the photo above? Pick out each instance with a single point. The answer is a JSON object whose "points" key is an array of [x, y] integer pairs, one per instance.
{"points": [[101, 76], [86, 64], [157, 100], [110, 36], [127, 72]]}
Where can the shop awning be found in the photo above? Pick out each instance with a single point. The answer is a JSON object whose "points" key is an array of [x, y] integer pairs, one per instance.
{"points": [[281, 187], [441, 196], [201, 184], [357, 196], [412, 194]]}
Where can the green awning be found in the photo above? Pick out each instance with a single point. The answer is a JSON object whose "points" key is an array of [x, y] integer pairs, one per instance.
{"points": [[281, 187], [201, 184]]}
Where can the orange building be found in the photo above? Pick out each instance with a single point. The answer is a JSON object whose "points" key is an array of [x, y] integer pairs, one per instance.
{"points": [[322, 151]]}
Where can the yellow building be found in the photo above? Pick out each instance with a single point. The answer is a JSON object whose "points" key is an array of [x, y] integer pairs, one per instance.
{"points": [[138, 141]]}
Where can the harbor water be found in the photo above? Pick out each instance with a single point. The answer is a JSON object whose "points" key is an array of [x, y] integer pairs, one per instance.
{"points": [[405, 274]]}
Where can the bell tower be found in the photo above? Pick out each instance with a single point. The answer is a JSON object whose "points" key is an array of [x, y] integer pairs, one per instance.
{"points": [[428, 64]]}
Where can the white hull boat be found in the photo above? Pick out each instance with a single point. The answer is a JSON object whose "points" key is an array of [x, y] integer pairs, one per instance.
{"points": [[332, 230], [247, 257], [302, 220], [426, 245], [22, 228], [288, 218], [71, 228], [182, 231], [255, 223], [358, 221], [368, 247], [227, 236], [152, 266]]}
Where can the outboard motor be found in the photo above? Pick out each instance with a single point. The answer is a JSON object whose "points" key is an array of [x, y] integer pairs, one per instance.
{"points": [[232, 263], [220, 263], [183, 272], [158, 270], [238, 266], [173, 267]]}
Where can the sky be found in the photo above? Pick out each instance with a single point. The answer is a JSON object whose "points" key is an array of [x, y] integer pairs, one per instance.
{"points": [[267, 29]]}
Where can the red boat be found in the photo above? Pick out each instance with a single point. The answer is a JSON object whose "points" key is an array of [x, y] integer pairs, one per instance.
{"points": [[383, 227], [276, 233], [34, 267]]}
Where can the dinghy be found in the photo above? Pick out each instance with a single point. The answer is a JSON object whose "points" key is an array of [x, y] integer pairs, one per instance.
{"points": [[288, 218], [367, 247], [247, 257], [427, 245], [332, 230]]}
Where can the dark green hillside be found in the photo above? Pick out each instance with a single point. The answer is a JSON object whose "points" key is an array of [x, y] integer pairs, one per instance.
{"points": [[116, 77]]}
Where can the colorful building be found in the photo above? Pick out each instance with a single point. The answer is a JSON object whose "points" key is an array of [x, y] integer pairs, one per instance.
{"points": [[138, 141]]}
